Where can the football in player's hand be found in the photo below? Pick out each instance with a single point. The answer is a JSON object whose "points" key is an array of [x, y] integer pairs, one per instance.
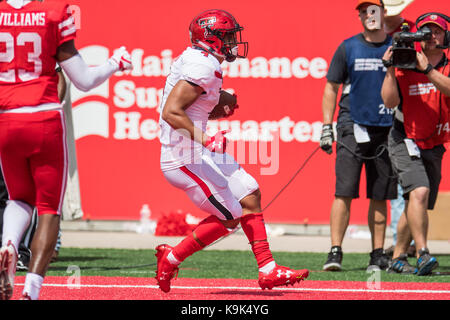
{"points": [[226, 106]]}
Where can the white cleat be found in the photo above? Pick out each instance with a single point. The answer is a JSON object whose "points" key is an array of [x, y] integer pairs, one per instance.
{"points": [[8, 263]]}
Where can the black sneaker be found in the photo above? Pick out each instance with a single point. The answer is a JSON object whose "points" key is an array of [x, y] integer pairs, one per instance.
{"points": [[426, 263], [334, 261], [401, 265], [23, 261], [379, 260]]}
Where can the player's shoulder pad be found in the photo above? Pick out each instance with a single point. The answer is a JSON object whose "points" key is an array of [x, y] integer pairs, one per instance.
{"points": [[199, 57], [197, 68]]}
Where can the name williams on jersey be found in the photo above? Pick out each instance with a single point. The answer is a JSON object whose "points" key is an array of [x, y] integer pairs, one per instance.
{"points": [[23, 19]]}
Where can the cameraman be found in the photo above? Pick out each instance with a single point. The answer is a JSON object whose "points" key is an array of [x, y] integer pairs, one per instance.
{"points": [[420, 129], [362, 128]]}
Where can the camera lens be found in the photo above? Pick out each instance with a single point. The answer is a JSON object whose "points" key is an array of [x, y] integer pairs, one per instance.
{"points": [[404, 58]]}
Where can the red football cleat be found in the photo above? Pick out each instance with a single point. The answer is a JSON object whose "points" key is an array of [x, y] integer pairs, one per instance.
{"points": [[281, 276], [8, 263], [165, 271]]}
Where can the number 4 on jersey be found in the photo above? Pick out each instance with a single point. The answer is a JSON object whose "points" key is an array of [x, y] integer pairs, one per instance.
{"points": [[443, 128]]}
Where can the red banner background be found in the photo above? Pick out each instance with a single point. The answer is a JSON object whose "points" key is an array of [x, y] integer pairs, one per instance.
{"points": [[117, 145]]}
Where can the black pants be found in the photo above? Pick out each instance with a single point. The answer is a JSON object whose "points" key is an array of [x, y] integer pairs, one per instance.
{"points": [[381, 184]]}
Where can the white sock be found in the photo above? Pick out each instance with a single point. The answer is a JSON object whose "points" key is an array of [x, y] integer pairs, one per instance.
{"points": [[172, 259], [266, 269], [33, 284], [16, 218]]}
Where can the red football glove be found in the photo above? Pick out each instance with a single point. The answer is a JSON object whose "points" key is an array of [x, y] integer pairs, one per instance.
{"points": [[217, 143]]}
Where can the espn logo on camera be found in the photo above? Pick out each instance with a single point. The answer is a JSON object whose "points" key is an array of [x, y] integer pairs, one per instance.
{"points": [[421, 89]]}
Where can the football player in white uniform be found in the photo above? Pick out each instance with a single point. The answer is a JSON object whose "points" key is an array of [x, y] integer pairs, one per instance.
{"points": [[197, 163]]}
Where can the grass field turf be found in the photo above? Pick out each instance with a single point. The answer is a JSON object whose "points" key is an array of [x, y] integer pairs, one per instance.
{"points": [[225, 264]]}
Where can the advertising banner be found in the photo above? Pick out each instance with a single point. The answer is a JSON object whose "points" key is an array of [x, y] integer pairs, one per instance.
{"points": [[275, 130]]}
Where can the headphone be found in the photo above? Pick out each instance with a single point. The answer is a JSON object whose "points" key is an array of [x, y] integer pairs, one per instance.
{"points": [[446, 43]]}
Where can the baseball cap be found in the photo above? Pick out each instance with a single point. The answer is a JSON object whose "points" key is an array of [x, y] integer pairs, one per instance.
{"points": [[434, 18], [375, 2]]}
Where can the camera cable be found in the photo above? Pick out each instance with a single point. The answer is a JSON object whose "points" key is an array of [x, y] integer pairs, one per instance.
{"points": [[381, 149], [276, 196]]}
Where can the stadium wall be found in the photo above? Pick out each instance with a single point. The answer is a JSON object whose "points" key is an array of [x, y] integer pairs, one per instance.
{"points": [[279, 87]]}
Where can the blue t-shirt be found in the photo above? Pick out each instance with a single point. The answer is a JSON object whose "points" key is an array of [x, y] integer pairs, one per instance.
{"points": [[358, 65]]}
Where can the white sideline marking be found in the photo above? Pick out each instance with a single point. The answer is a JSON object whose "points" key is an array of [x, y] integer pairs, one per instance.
{"points": [[248, 288]]}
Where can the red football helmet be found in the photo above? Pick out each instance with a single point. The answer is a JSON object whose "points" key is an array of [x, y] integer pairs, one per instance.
{"points": [[217, 31]]}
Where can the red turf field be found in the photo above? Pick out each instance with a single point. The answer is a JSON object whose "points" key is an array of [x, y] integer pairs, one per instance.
{"points": [[117, 288]]}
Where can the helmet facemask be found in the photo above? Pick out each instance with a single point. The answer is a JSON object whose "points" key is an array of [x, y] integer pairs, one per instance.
{"points": [[232, 45]]}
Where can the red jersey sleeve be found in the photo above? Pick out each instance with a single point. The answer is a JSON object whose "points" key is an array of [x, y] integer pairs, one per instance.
{"points": [[30, 37], [67, 29]]}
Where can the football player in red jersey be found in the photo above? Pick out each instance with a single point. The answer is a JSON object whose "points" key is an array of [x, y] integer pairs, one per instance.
{"points": [[35, 35], [198, 163]]}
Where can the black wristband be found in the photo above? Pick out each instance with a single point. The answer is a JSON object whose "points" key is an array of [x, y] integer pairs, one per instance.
{"points": [[428, 69], [387, 63]]}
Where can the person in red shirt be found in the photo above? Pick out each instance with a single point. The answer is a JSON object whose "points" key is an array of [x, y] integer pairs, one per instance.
{"points": [[34, 36], [416, 141]]}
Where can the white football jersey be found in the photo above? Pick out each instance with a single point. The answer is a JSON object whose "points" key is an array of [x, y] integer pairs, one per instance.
{"points": [[204, 70]]}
